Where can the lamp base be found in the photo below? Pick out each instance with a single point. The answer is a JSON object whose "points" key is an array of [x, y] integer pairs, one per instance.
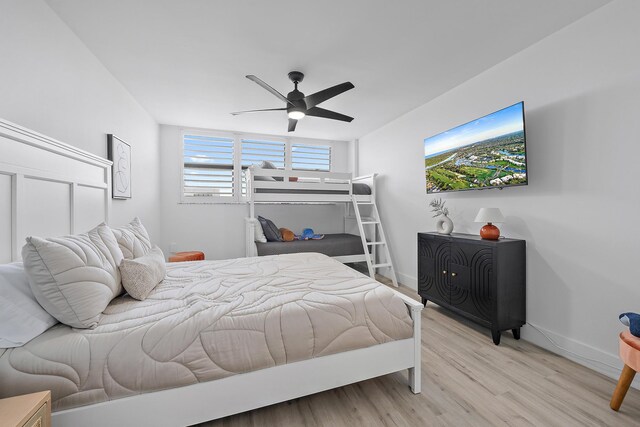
{"points": [[490, 232]]}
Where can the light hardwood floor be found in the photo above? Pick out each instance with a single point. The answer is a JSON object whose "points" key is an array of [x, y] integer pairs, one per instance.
{"points": [[466, 381]]}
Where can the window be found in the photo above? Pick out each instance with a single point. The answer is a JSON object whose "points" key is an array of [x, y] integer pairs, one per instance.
{"points": [[208, 166], [215, 165], [310, 157], [255, 151]]}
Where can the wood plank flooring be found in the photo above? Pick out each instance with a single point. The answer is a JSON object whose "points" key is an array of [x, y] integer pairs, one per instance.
{"points": [[466, 381]]}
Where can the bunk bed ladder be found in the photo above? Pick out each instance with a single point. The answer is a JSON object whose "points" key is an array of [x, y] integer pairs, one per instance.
{"points": [[378, 233]]}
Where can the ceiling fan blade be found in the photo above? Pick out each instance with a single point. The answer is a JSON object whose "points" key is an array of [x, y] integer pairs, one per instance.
{"points": [[327, 114], [269, 88], [318, 97], [257, 111], [292, 125]]}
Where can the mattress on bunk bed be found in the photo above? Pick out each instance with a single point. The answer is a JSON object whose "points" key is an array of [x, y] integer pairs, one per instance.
{"points": [[208, 320], [331, 245], [358, 189]]}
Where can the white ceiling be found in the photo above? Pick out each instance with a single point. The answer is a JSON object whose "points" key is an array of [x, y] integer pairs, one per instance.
{"points": [[185, 61]]}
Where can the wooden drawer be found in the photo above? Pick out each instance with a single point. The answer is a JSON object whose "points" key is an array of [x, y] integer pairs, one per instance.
{"points": [[39, 418], [29, 410]]}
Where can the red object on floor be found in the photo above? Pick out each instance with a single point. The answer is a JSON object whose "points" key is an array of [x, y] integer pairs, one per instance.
{"points": [[187, 256]]}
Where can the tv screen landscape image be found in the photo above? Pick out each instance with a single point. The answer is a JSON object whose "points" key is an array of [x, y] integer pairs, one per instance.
{"points": [[489, 152]]}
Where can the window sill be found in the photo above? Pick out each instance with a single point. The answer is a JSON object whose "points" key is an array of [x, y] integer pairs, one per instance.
{"points": [[211, 202]]}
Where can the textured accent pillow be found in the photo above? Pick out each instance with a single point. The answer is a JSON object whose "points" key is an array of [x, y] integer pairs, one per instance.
{"points": [[270, 230], [21, 317], [141, 275], [258, 234], [265, 164], [133, 239], [74, 277]]}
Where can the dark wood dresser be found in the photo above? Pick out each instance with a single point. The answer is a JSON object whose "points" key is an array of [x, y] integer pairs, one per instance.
{"points": [[482, 280]]}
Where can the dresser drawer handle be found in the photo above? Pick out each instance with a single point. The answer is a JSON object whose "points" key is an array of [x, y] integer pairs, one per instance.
{"points": [[444, 271], [453, 274]]}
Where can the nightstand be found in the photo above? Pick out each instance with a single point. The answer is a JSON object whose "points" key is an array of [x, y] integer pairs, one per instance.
{"points": [[28, 410]]}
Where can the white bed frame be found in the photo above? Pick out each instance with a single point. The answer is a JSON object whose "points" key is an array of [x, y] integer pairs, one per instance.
{"points": [[306, 180], [47, 188], [51, 188]]}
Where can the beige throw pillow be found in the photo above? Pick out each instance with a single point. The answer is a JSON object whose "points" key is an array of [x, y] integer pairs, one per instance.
{"points": [[74, 277], [142, 274], [133, 239]]}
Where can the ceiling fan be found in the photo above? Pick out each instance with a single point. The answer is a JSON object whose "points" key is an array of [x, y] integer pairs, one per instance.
{"points": [[298, 105]]}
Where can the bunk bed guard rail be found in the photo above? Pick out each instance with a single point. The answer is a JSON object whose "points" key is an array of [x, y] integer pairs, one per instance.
{"points": [[276, 185]]}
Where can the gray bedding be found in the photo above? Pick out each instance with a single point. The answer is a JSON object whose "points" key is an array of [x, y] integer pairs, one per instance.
{"points": [[358, 189], [332, 245]]}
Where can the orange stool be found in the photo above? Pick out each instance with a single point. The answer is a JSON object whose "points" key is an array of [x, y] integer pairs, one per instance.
{"points": [[630, 355], [187, 256]]}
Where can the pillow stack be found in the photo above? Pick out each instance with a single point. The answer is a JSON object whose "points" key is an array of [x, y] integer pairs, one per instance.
{"points": [[74, 278]]}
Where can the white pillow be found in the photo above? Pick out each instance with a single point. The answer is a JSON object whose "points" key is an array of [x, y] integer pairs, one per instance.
{"points": [[258, 232], [133, 239], [21, 317], [141, 275], [74, 277]]}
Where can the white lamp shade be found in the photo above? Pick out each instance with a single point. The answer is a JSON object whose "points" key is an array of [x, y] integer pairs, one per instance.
{"points": [[489, 215]]}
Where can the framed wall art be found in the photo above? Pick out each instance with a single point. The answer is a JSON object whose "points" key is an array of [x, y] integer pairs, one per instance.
{"points": [[119, 152]]}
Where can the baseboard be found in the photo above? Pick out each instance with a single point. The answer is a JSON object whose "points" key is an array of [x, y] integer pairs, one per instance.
{"points": [[595, 359], [405, 279], [408, 281]]}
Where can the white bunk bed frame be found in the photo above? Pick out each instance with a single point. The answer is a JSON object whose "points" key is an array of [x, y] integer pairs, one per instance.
{"points": [[323, 184], [36, 169]]}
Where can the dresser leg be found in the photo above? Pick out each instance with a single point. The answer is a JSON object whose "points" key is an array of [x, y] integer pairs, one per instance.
{"points": [[424, 301], [516, 333], [496, 336]]}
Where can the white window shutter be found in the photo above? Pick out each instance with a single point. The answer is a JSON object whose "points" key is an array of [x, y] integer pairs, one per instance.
{"points": [[208, 166], [254, 151], [310, 157]]}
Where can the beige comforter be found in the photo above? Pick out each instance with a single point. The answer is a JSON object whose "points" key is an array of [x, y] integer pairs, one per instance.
{"points": [[208, 320]]}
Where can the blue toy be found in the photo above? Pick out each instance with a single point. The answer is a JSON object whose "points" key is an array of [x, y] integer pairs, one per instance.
{"points": [[308, 234], [632, 320]]}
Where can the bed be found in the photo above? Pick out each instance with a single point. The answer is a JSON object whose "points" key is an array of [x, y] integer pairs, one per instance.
{"points": [[216, 338], [206, 321]]}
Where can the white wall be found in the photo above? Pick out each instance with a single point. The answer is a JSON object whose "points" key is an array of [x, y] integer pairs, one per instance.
{"points": [[51, 83], [579, 214], [218, 229]]}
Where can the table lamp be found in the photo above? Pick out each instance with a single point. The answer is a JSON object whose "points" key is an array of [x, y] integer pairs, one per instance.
{"points": [[490, 215]]}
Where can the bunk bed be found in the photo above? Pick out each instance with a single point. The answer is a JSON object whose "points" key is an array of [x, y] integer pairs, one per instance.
{"points": [[275, 186]]}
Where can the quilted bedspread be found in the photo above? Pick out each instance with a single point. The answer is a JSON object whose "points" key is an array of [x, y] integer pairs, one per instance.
{"points": [[208, 320]]}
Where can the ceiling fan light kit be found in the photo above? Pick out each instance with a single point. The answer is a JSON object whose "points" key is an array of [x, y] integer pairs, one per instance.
{"points": [[296, 115], [299, 105]]}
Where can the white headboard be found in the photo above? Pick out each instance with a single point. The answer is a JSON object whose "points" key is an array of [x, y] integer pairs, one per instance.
{"points": [[47, 188]]}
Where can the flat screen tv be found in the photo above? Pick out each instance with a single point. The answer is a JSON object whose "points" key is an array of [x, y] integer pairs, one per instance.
{"points": [[489, 152]]}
